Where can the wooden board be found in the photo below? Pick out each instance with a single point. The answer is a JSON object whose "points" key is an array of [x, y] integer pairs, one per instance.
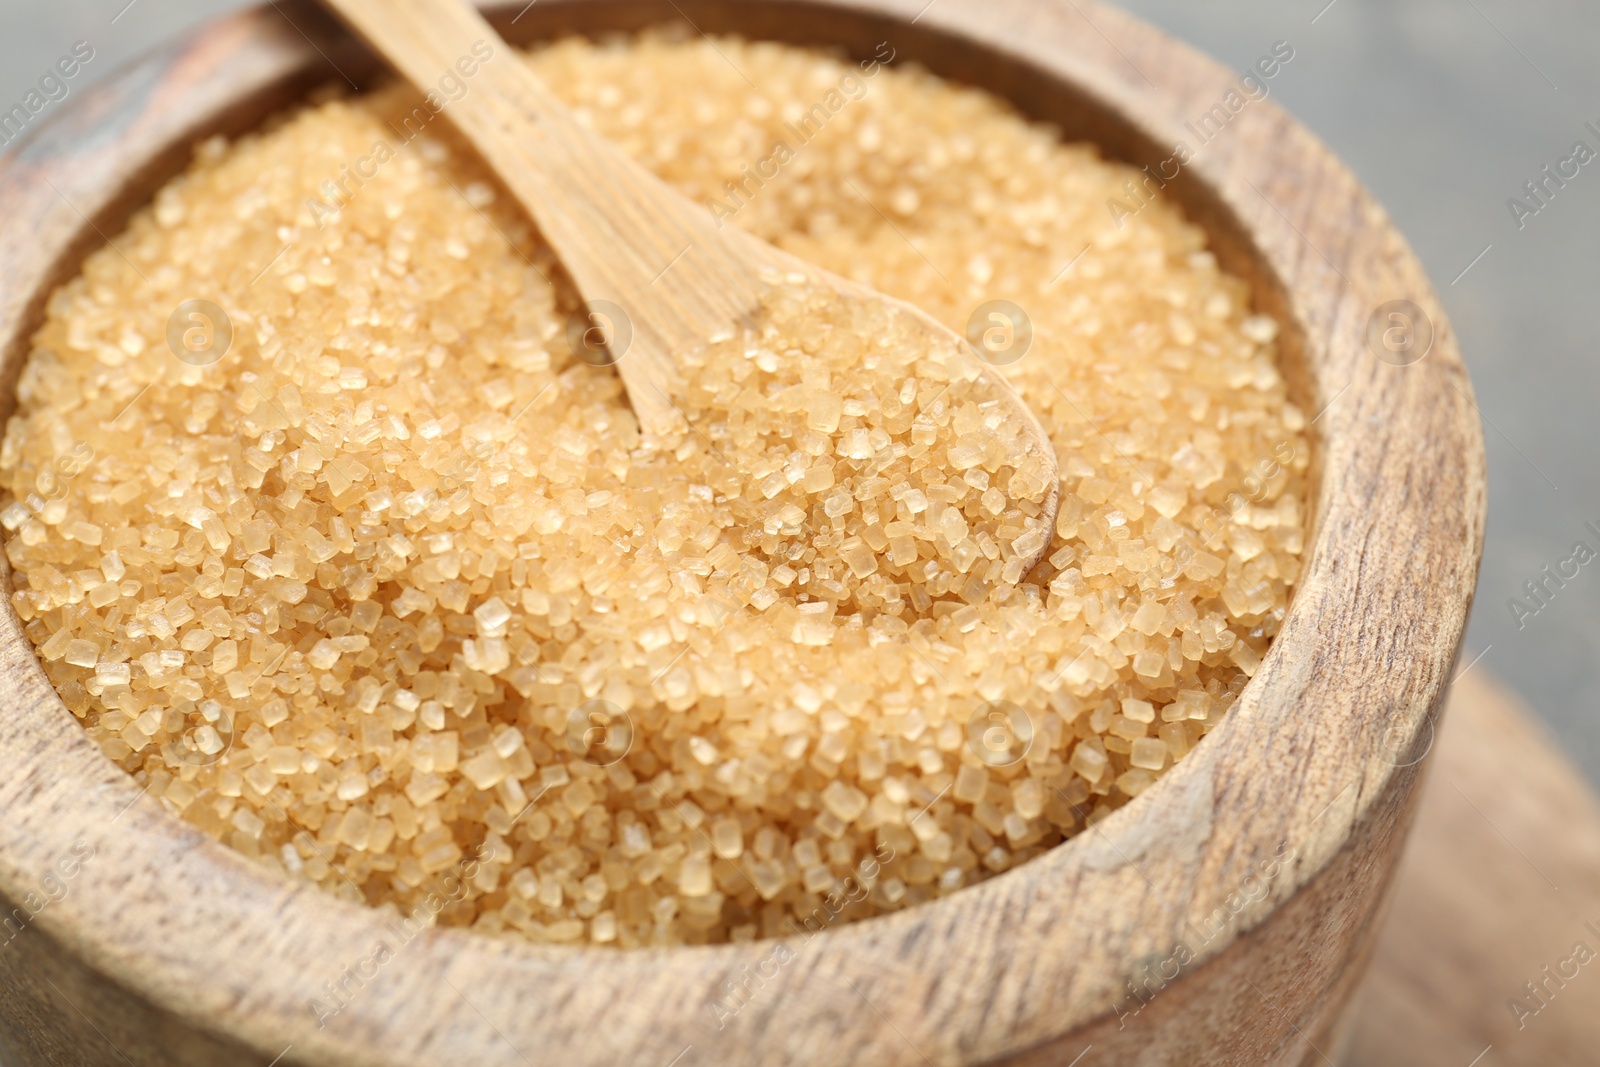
{"points": [[1500, 880]]}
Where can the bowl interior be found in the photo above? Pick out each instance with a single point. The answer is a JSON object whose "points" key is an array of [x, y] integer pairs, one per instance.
{"points": [[1033, 91]]}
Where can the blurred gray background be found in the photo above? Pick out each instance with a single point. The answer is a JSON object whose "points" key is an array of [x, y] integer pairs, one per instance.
{"points": [[1444, 108]]}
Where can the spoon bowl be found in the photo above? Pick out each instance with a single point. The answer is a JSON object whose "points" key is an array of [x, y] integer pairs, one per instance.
{"points": [[670, 271]]}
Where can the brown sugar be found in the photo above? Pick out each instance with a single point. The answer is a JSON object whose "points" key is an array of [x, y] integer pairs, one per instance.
{"points": [[395, 597]]}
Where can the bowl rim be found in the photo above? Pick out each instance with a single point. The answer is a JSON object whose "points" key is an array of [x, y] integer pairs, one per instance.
{"points": [[235, 950]]}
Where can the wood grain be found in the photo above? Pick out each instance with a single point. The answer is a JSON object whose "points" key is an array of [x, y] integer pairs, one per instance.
{"points": [[1500, 880], [169, 948]]}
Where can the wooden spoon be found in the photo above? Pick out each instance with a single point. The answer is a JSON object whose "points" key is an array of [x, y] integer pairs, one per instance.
{"points": [[622, 234]]}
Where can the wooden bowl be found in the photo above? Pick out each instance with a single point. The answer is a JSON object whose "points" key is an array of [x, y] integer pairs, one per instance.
{"points": [[1222, 918]]}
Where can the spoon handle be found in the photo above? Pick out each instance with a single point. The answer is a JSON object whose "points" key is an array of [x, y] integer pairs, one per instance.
{"points": [[620, 232]]}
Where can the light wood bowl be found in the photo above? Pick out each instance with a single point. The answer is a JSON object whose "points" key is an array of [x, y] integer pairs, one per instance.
{"points": [[168, 948]]}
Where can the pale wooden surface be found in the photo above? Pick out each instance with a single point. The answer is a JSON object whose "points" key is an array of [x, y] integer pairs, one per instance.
{"points": [[1499, 879], [172, 949]]}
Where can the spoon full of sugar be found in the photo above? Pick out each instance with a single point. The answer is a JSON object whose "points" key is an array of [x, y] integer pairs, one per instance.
{"points": [[663, 280]]}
